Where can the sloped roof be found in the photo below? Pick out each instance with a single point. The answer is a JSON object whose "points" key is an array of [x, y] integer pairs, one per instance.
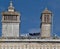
{"points": [[46, 11], [10, 13]]}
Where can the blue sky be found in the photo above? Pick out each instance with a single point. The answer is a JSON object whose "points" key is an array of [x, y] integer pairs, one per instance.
{"points": [[30, 11]]}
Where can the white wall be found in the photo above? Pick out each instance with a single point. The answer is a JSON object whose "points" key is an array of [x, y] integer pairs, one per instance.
{"points": [[10, 29], [29, 45]]}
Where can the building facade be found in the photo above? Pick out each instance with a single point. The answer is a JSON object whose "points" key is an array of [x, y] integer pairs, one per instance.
{"points": [[29, 44], [10, 30], [10, 22], [46, 23]]}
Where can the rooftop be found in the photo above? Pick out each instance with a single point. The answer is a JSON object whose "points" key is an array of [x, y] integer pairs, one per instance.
{"points": [[46, 11], [31, 40]]}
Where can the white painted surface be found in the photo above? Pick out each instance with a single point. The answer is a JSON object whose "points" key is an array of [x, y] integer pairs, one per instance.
{"points": [[10, 29]]}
